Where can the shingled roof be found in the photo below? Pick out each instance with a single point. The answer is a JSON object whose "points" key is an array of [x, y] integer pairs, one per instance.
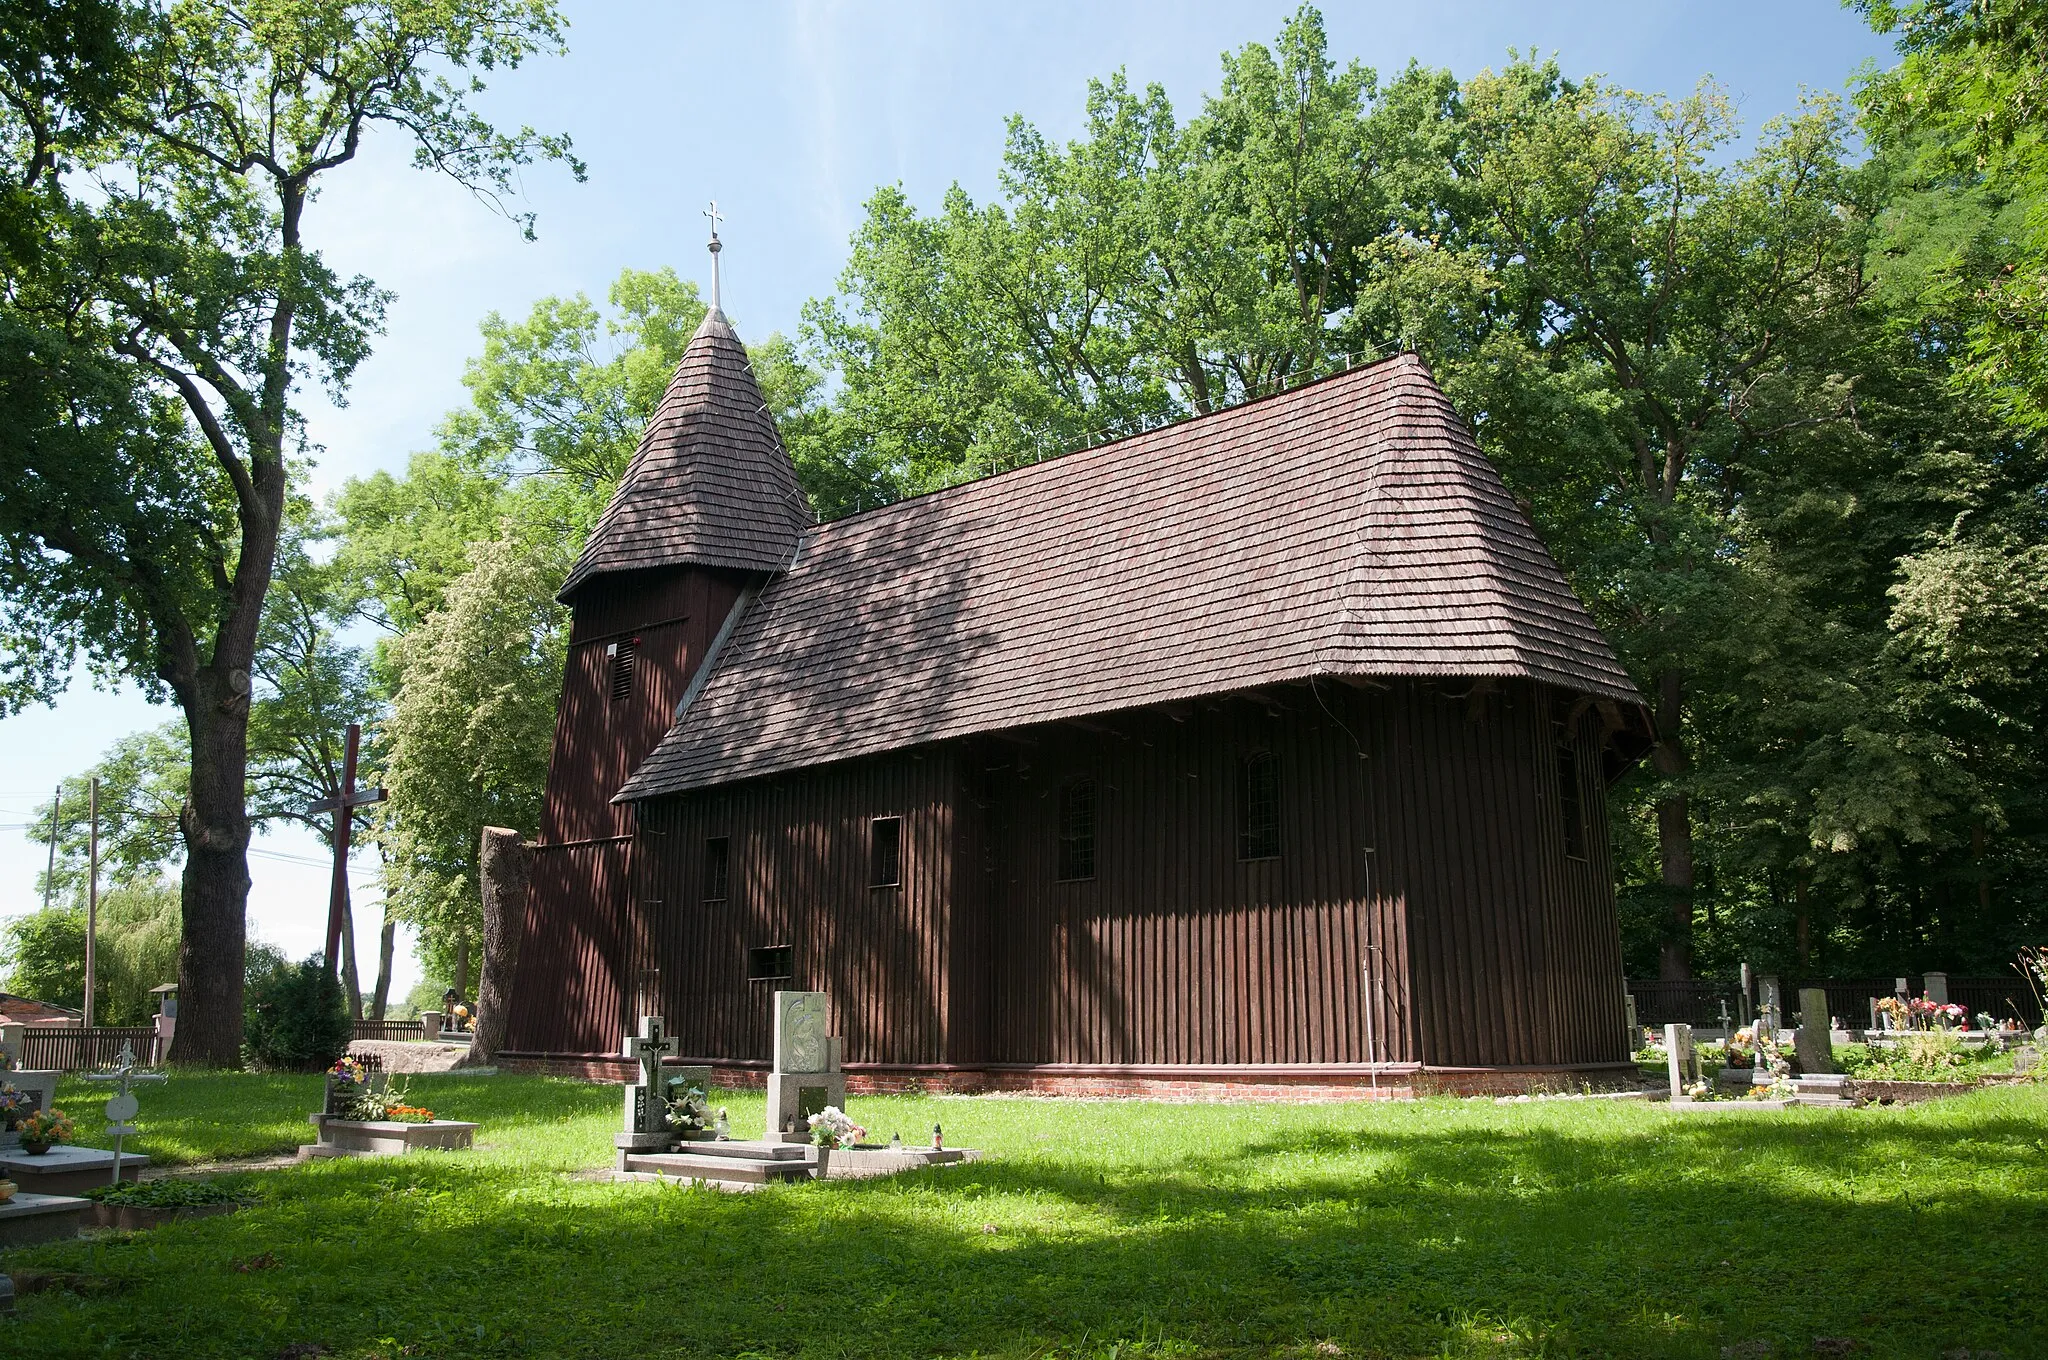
{"points": [[710, 484], [1350, 527]]}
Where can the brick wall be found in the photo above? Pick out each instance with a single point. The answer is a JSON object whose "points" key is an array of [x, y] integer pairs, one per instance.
{"points": [[1295, 1088]]}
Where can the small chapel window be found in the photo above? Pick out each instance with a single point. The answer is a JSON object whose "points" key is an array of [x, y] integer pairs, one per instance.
{"points": [[1569, 806], [771, 963], [624, 657], [1258, 807], [885, 852], [1077, 830], [717, 852]]}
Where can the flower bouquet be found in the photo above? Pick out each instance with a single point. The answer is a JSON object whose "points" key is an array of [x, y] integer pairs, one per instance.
{"points": [[830, 1128], [42, 1128], [14, 1107]]}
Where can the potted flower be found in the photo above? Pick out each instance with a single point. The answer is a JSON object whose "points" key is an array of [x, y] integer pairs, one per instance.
{"points": [[14, 1107], [830, 1128], [42, 1129]]}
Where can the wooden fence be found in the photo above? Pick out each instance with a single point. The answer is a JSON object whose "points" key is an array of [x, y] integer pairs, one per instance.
{"points": [[48, 1048], [389, 1029]]}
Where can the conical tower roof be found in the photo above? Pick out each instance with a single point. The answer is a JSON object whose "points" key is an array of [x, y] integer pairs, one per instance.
{"points": [[711, 484]]}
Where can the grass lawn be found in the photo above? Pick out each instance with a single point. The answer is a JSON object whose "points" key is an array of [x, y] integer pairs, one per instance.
{"points": [[1442, 1228]]}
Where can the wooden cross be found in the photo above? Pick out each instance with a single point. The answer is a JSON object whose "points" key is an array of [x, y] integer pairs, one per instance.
{"points": [[343, 807]]}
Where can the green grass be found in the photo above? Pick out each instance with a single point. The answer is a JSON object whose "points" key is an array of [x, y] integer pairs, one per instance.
{"points": [[1441, 1228]]}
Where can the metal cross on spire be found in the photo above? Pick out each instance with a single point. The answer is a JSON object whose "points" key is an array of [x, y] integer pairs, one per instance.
{"points": [[713, 213]]}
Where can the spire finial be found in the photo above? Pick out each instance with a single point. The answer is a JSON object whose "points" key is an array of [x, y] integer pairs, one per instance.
{"points": [[713, 213]]}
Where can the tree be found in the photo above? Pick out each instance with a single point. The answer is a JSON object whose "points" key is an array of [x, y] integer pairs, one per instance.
{"points": [[1643, 304], [1142, 272], [469, 736], [1969, 101], [308, 689], [156, 322]]}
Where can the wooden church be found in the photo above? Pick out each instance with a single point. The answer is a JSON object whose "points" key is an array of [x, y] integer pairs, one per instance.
{"points": [[1268, 749]]}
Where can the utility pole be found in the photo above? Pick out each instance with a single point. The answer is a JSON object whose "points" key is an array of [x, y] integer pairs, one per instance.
{"points": [[50, 869], [92, 901], [343, 807]]}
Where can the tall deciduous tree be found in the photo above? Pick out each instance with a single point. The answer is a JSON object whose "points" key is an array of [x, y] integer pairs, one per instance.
{"points": [[154, 328]]}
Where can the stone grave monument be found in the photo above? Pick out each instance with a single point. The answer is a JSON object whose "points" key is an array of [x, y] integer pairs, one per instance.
{"points": [[1682, 1059], [1813, 1044], [654, 1097], [806, 1076]]}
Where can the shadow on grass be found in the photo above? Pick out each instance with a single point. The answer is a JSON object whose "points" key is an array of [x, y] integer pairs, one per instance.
{"points": [[1477, 1232]]}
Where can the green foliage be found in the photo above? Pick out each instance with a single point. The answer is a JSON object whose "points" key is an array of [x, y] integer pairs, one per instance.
{"points": [[1142, 272], [45, 955], [167, 1193], [1968, 102], [1460, 1228], [296, 1021], [160, 309], [143, 779], [470, 732]]}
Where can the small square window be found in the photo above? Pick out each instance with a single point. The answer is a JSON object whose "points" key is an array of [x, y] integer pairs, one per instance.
{"points": [[771, 963], [1258, 807], [717, 852], [885, 852], [1077, 830]]}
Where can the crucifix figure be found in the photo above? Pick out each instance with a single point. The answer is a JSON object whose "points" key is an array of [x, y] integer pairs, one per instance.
{"points": [[713, 213], [645, 1111], [343, 807]]}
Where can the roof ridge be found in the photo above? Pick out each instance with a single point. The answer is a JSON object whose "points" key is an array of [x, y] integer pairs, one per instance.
{"points": [[1083, 450]]}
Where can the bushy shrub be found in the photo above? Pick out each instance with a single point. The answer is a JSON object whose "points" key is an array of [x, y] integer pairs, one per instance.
{"points": [[295, 1020]]}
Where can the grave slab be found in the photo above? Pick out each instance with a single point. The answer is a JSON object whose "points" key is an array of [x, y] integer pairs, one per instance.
{"points": [[28, 1219], [385, 1137], [67, 1170]]}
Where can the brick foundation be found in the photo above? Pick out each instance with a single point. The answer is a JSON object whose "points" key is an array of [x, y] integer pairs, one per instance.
{"points": [[1304, 1085]]}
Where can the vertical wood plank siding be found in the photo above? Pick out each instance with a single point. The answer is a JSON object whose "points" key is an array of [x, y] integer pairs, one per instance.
{"points": [[1420, 831], [568, 997]]}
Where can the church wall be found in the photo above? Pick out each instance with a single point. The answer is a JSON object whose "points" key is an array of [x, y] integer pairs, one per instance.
{"points": [[1515, 948], [1176, 951], [797, 875]]}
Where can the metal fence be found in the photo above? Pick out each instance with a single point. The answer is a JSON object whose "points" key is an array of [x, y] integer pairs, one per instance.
{"points": [[389, 1029], [1698, 1001], [49, 1048], [1695, 1002]]}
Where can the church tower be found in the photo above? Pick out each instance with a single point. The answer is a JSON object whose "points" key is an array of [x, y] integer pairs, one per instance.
{"points": [[709, 507]]}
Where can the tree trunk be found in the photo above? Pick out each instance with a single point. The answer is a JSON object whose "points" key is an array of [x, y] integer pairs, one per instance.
{"points": [[385, 941], [1802, 919], [350, 982], [502, 873], [1674, 829], [215, 897]]}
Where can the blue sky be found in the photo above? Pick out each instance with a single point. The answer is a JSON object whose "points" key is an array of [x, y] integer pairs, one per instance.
{"points": [[790, 115]]}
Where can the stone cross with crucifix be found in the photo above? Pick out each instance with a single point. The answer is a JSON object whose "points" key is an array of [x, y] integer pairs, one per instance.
{"points": [[645, 1110]]}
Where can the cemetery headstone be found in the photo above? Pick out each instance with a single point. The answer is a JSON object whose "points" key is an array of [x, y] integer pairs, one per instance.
{"points": [[806, 1076], [1682, 1059], [1634, 1031], [1770, 1004], [11, 1039], [1814, 1045], [646, 1116], [1935, 985]]}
